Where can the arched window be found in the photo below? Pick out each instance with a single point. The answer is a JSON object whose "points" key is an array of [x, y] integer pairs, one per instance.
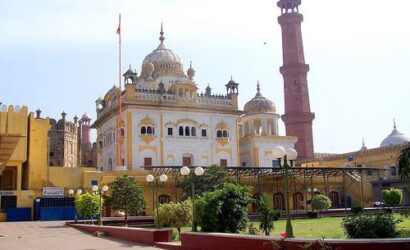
{"points": [[149, 130], [334, 197], [393, 170], [164, 198], [143, 130], [219, 134], [193, 131], [110, 164], [246, 128], [225, 134], [122, 131], [187, 131], [181, 130]]}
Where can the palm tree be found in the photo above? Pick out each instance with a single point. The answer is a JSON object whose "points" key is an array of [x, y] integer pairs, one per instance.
{"points": [[266, 213], [403, 162]]}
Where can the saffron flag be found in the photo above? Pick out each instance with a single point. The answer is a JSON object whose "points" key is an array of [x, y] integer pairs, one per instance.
{"points": [[119, 26]]}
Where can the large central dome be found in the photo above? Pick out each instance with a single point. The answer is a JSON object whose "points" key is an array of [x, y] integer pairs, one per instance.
{"points": [[162, 60]]}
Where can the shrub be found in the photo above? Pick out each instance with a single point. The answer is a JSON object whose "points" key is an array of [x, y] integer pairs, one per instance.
{"points": [[266, 213], [320, 202], [88, 205], [224, 210], [176, 215], [392, 197], [357, 209], [381, 225], [252, 230]]}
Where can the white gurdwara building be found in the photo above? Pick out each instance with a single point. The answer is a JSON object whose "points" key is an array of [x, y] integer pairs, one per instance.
{"points": [[167, 122]]}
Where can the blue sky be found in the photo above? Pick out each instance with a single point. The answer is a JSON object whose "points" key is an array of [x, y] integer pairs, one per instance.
{"points": [[62, 55]]}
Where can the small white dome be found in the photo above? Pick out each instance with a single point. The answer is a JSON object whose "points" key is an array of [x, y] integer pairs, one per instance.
{"points": [[395, 138]]}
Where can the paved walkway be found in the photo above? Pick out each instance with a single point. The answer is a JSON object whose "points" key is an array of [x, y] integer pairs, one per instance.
{"points": [[55, 235]]}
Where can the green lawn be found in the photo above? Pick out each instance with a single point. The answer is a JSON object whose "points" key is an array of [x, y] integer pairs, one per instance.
{"points": [[328, 227]]}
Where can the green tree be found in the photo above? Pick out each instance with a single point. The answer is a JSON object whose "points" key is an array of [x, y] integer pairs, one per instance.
{"points": [[213, 178], [88, 205], [127, 196], [403, 161], [176, 215], [267, 214], [321, 202], [392, 197], [224, 210]]}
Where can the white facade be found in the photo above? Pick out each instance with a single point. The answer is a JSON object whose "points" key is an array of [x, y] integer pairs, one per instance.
{"points": [[167, 122]]}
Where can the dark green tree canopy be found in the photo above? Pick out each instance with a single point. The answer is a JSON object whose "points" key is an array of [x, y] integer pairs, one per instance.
{"points": [[213, 178], [224, 210], [403, 162]]}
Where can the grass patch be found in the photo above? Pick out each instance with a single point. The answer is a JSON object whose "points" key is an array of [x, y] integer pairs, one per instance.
{"points": [[326, 227]]}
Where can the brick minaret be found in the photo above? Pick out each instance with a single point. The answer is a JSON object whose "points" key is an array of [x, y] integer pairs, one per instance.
{"points": [[298, 118]]}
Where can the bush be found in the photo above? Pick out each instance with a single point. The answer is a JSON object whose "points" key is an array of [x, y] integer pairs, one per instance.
{"points": [[381, 225], [88, 205], [267, 214], [320, 202], [357, 210], [392, 197], [176, 215], [252, 230], [223, 210]]}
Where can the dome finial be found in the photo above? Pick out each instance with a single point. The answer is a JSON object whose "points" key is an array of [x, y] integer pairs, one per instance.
{"points": [[394, 124], [162, 38], [363, 145], [257, 86]]}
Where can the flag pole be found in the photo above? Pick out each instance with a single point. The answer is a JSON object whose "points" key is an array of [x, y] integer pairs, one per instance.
{"points": [[120, 121]]}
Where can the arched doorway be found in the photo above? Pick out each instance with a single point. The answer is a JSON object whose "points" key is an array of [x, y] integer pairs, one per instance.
{"points": [[255, 199], [278, 201], [298, 201], [334, 197]]}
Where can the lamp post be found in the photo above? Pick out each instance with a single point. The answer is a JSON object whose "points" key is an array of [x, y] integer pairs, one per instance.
{"points": [[154, 184], [100, 192], [71, 193], [289, 154], [312, 191], [199, 171]]}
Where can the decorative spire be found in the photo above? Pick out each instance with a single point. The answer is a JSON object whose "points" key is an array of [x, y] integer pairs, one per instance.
{"points": [[38, 113], [363, 145], [257, 87], [394, 124], [162, 38], [191, 71]]}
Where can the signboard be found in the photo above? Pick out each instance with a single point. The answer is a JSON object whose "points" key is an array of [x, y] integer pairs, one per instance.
{"points": [[53, 192]]}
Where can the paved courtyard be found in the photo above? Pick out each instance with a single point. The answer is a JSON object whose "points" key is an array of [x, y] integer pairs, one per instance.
{"points": [[55, 235]]}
